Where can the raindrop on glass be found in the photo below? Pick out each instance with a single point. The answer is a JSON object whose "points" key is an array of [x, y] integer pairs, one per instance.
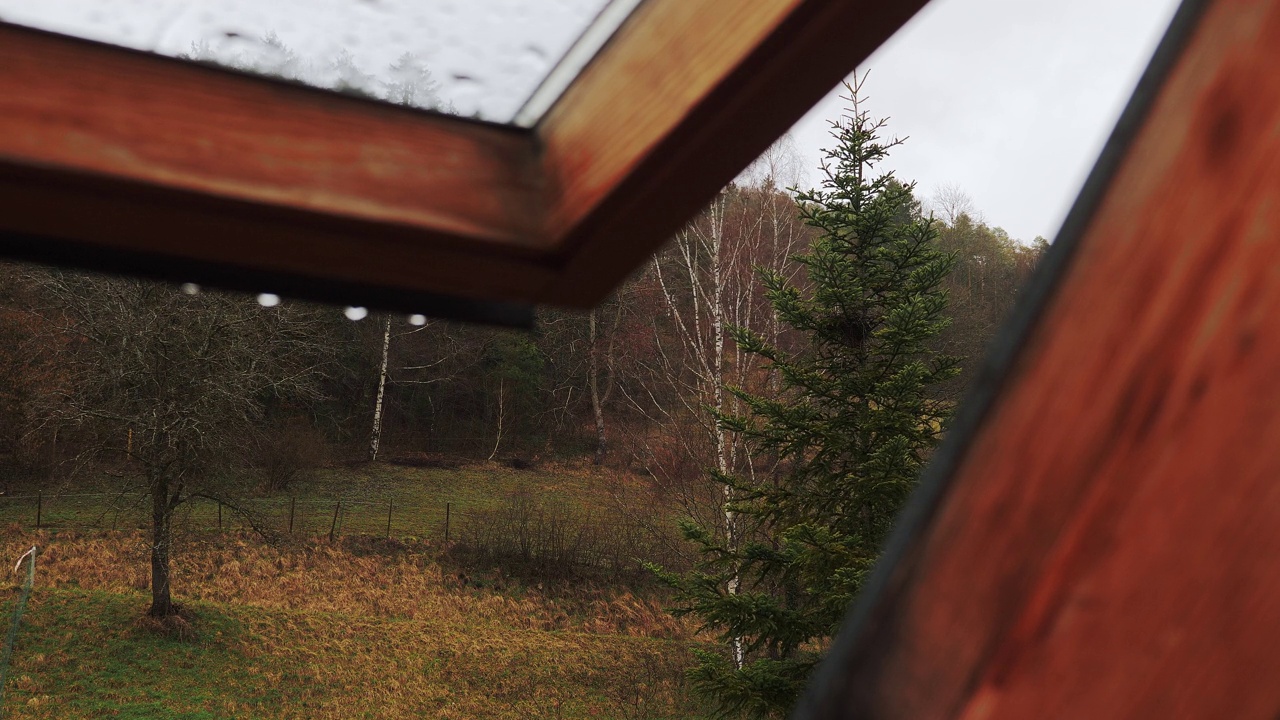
{"points": [[355, 313], [190, 289], [268, 300], [418, 320], [534, 55]]}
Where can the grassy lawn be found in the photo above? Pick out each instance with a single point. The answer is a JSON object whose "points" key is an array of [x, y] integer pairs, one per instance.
{"points": [[416, 497], [421, 494], [475, 486], [84, 654], [362, 628]]}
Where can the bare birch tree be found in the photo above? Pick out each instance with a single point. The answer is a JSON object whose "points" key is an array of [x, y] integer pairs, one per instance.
{"points": [[404, 367], [375, 437], [708, 279]]}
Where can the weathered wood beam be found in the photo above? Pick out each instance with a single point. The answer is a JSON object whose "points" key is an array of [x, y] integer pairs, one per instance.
{"points": [[201, 170], [684, 97], [149, 155]]}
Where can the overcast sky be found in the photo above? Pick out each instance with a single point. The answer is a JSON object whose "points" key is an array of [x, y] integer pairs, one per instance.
{"points": [[1010, 100]]}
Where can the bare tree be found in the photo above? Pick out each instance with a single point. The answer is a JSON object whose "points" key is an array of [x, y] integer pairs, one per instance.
{"points": [[375, 439], [781, 166], [403, 363], [950, 202], [602, 370], [178, 381], [593, 385], [709, 281]]}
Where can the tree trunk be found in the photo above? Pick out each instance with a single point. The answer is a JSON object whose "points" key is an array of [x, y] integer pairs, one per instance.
{"points": [[498, 440], [161, 544], [716, 311], [376, 438], [706, 346], [593, 383]]}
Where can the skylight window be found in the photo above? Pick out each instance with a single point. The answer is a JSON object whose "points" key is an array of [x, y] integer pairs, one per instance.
{"points": [[475, 58]]}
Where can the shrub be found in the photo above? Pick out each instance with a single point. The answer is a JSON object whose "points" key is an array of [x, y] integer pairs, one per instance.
{"points": [[287, 453]]}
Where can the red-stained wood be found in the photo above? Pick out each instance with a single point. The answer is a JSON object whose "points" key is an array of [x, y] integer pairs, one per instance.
{"points": [[687, 94], [181, 230], [1108, 545], [204, 164], [102, 110], [134, 153]]}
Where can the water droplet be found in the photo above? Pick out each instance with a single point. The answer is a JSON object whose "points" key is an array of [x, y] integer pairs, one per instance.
{"points": [[190, 289], [418, 320], [355, 313], [268, 300]]}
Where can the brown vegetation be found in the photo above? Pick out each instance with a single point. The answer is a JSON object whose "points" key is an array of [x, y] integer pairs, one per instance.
{"points": [[357, 576]]}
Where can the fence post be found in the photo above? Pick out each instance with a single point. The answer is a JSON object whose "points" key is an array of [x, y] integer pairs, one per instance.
{"points": [[334, 525], [390, 504], [39, 507], [448, 507], [292, 502]]}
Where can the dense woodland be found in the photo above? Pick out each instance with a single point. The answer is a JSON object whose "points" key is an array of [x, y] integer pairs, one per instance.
{"points": [[629, 385]]}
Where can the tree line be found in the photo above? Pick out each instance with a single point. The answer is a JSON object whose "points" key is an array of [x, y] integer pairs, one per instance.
{"points": [[99, 363]]}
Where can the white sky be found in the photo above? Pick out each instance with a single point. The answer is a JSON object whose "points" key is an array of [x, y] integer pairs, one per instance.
{"points": [[1010, 100]]}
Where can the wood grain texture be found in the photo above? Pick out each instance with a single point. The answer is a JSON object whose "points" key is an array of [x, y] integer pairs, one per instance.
{"points": [[104, 110], [687, 94], [1108, 545], [181, 148], [208, 240], [149, 155]]}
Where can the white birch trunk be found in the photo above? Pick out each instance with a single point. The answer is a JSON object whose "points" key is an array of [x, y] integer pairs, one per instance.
{"points": [[498, 440], [716, 312], [376, 436]]}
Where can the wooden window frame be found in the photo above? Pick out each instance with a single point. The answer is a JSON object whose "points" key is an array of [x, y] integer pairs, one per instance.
{"points": [[131, 162], [1097, 536]]}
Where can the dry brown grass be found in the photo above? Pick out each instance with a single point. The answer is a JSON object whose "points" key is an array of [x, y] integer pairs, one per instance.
{"points": [[356, 576], [362, 628]]}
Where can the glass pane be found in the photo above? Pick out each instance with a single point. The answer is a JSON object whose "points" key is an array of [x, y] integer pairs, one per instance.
{"points": [[477, 58]]}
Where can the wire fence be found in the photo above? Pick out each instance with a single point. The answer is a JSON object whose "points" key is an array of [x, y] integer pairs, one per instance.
{"points": [[548, 538], [286, 515]]}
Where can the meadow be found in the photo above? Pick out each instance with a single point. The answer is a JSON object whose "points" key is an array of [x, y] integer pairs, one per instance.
{"points": [[363, 626]]}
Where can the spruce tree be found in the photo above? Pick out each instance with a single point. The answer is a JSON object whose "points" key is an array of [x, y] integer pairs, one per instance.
{"points": [[839, 450]]}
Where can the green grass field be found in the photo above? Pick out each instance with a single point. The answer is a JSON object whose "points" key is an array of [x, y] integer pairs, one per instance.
{"points": [[362, 627], [85, 654], [416, 497]]}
